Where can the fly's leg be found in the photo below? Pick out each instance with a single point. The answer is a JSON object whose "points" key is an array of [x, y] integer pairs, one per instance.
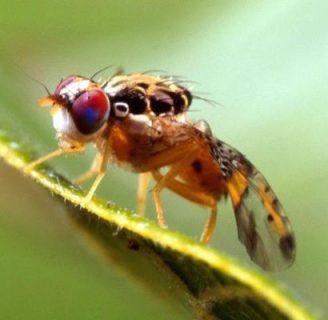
{"points": [[197, 195], [142, 192], [91, 172], [55, 154], [102, 170], [210, 225], [176, 167]]}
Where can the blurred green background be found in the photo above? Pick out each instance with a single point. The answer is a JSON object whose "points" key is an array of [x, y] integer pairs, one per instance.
{"points": [[266, 63]]}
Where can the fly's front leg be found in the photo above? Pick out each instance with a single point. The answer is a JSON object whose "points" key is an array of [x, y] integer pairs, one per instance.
{"points": [[55, 154], [142, 192], [104, 158], [95, 167]]}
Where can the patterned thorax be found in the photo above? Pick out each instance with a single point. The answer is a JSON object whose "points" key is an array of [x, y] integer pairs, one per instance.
{"points": [[146, 94]]}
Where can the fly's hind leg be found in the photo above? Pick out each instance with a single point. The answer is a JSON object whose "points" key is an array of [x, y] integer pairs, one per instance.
{"points": [[210, 225], [196, 195], [174, 170]]}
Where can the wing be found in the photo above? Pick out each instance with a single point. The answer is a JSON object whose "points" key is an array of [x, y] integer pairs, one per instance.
{"points": [[262, 225]]}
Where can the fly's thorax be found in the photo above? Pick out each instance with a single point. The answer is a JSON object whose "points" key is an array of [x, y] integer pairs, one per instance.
{"points": [[138, 138], [145, 94], [157, 128], [136, 127]]}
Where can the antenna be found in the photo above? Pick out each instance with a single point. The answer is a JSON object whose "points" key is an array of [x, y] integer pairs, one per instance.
{"points": [[39, 82], [100, 71], [32, 78]]}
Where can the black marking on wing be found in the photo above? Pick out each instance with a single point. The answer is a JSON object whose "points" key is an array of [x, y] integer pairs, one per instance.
{"points": [[262, 225]]}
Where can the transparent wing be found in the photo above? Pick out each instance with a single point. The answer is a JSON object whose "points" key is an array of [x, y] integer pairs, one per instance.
{"points": [[262, 225]]}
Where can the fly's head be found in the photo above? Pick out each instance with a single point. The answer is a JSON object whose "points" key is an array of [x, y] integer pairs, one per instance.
{"points": [[79, 108]]}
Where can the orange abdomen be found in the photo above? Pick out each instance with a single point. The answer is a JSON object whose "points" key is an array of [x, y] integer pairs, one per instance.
{"points": [[204, 172]]}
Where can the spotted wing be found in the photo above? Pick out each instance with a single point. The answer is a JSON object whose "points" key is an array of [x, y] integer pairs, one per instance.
{"points": [[262, 225]]}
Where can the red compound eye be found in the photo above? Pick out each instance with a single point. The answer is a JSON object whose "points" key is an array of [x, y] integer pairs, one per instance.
{"points": [[90, 111]]}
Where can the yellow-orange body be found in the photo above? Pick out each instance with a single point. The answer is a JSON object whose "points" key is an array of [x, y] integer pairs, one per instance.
{"points": [[142, 125]]}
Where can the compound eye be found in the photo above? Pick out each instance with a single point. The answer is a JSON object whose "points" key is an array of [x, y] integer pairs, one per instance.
{"points": [[90, 111]]}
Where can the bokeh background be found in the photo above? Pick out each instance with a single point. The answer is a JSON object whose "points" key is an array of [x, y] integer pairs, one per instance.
{"points": [[265, 63]]}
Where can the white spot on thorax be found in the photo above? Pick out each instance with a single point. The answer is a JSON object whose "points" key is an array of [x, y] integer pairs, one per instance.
{"points": [[140, 124], [203, 126], [121, 109], [140, 118], [181, 118]]}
